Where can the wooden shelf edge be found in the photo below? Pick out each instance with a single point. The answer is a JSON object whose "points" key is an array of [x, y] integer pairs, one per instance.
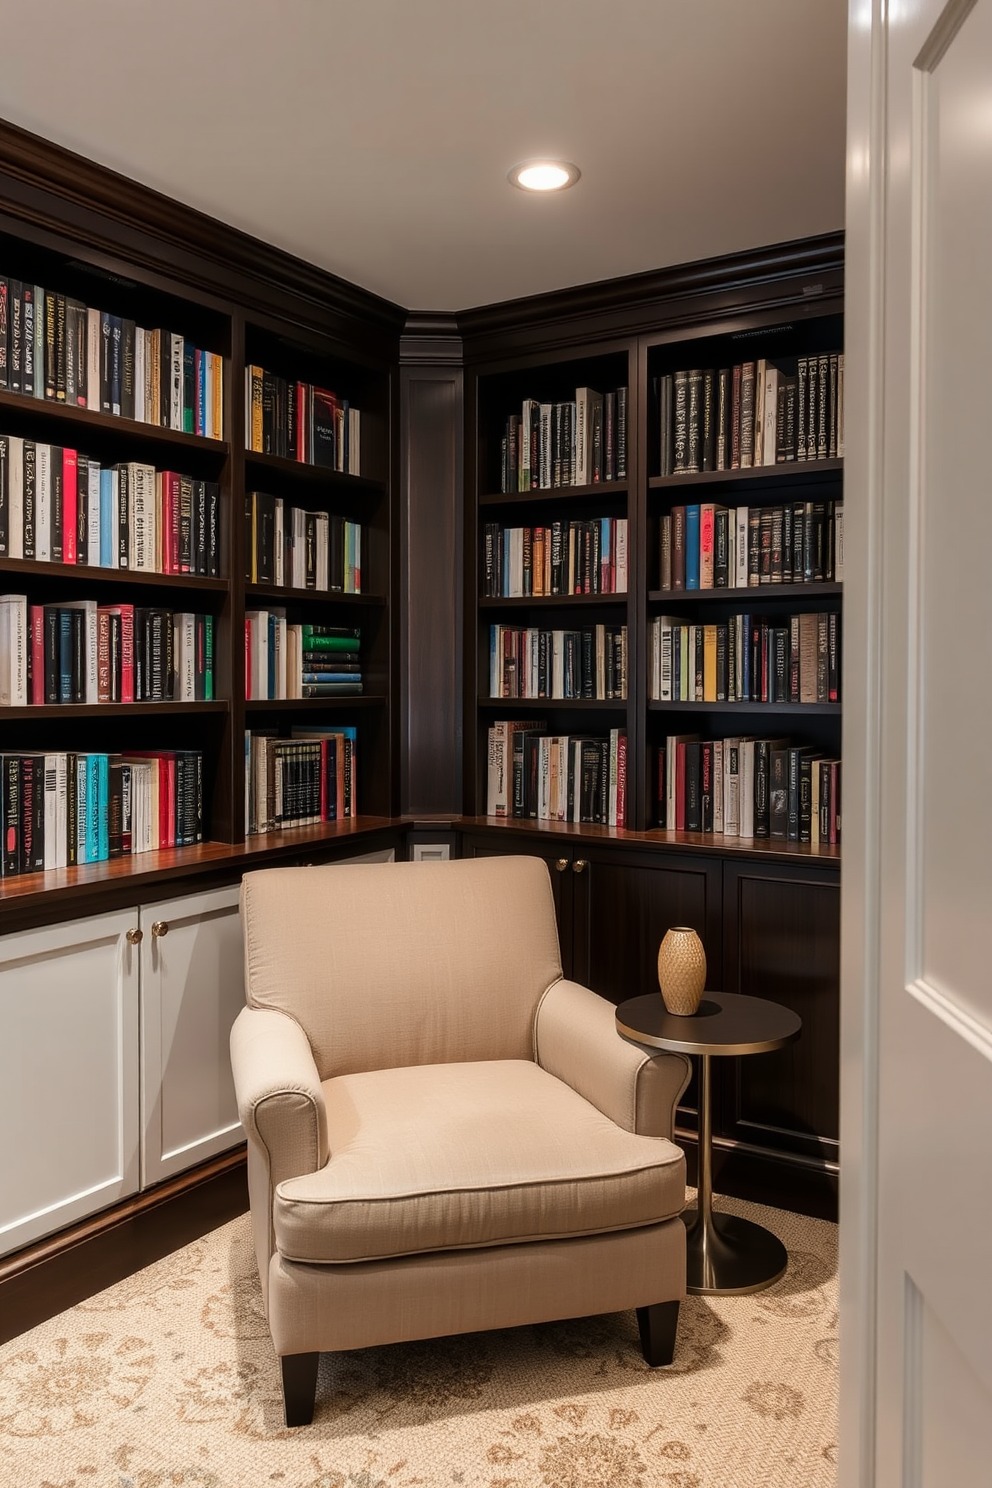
{"points": [[313, 474], [109, 710], [92, 574], [809, 710], [538, 704], [551, 601], [309, 596], [655, 838], [309, 705], [762, 593], [69, 414], [790, 470], [606, 489]]}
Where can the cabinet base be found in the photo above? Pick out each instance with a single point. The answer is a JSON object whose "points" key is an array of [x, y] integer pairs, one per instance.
{"points": [[56, 1273]]}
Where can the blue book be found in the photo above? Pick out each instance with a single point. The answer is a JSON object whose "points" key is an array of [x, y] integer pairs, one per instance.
{"points": [[102, 807], [605, 556], [108, 514], [692, 547], [92, 808]]}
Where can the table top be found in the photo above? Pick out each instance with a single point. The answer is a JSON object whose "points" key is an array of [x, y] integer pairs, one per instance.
{"points": [[726, 1023]]}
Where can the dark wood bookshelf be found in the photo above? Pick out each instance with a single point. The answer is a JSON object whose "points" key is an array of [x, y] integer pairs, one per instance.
{"points": [[538, 494], [552, 601], [289, 596], [84, 573], [310, 475], [66, 417], [510, 705], [791, 472], [311, 705], [810, 710], [110, 710], [761, 593], [713, 843]]}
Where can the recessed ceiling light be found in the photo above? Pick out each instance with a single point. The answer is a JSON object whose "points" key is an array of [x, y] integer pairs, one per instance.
{"points": [[544, 175]]}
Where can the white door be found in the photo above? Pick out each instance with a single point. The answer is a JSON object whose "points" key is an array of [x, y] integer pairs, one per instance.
{"points": [[192, 989], [68, 1074], [916, 1198]]}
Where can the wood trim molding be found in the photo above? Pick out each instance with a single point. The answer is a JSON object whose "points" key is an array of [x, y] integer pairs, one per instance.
{"points": [[433, 339], [53, 188]]}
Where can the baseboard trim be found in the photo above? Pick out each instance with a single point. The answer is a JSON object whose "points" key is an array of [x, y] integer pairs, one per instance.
{"points": [[55, 1273], [800, 1184]]}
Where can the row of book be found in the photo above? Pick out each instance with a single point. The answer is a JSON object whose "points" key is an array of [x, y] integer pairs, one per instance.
{"points": [[59, 506], [757, 413], [310, 777], [561, 664], [746, 659], [581, 557], [566, 778], [575, 443], [84, 652], [708, 546], [299, 549], [301, 422], [744, 787], [61, 809], [54, 347], [286, 660]]}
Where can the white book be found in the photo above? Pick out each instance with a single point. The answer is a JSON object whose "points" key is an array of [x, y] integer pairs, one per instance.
{"points": [[357, 545], [150, 414], [583, 437], [279, 569], [516, 588], [15, 497], [184, 645], [51, 811], [259, 620], [93, 344], [718, 753], [93, 515], [42, 503], [747, 788], [523, 470], [838, 542], [740, 548], [557, 663], [323, 553], [5, 655], [88, 608], [665, 637], [19, 641], [141, 530], [139, 374], [533, 662], [280, 640], [354, 442], [299, 578], [770, 442], [496, 661], [731, 787], [621, 563], [543, 777], [294, 661], [175, 382]]}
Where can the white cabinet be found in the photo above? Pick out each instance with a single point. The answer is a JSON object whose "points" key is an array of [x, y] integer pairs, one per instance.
{"points": [[69, 1133], [192, 989]]}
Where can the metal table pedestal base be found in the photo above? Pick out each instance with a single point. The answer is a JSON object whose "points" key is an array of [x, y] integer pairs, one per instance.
{"points": [[728, 1254]]}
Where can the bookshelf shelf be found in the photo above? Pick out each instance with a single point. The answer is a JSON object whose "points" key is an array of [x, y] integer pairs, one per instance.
{"points": [[554, 601], [82, 573], [810, 710], [314, 705], [756, 595], [309, 475], [548, 704], [110, 710], [793, 472], [61, 418], [707, 843], [600, 490], [289, 596]]}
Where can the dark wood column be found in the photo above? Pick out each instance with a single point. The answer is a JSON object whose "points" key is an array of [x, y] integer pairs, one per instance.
{"points": [[430, 536]]}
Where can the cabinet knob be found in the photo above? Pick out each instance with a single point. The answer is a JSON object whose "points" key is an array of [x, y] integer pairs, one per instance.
{"points": [[579, 865], [160, 928], [134, 937], [561, 864]]}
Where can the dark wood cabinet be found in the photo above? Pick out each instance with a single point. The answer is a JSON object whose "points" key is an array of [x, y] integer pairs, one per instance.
{"points": [[770, 930]]}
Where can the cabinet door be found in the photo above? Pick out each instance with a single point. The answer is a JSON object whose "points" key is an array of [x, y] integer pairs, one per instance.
{"points": [[782, 941], [192, 989], [68, 1074], [559, 861]]}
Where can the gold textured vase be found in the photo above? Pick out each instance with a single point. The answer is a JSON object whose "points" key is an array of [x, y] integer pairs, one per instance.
{"points": [[681, 970]]}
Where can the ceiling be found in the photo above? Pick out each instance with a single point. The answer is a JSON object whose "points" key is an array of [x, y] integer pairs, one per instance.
{"points": [[373, 137]]}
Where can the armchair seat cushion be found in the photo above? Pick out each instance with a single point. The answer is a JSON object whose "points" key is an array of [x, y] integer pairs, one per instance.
{"points": [[462, 1156]]}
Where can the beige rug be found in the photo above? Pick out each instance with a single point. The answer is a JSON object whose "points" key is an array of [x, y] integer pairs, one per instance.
{"points": [[168, 1380]]}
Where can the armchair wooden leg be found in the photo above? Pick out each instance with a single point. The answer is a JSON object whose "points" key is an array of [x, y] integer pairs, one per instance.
{"points": [[299, 1387], [658, 1326]]}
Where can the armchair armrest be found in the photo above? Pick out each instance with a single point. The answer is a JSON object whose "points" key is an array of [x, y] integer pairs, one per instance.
{"points": [[576, 1040], [280, 1101]]}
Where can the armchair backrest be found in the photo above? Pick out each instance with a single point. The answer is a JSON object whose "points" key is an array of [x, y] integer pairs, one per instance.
{"points": [[392, 964]]}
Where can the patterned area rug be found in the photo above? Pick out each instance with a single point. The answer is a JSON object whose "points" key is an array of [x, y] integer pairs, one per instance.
{"points": [[168, 1380]]}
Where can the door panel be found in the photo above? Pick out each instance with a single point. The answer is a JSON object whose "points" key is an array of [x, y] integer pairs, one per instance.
{"points": [[192, 989], [783, 943], [68, 1074]]}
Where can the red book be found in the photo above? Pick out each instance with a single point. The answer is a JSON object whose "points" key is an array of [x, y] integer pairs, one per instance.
{"points": [[622, 780], [171, 506], [248, 660], [69, 508], [126, 612], [680, 788], [302, 415], [168, 766], [37, 620]]}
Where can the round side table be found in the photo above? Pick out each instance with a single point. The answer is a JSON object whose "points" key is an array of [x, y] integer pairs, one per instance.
{"points": [[723, 1252]]}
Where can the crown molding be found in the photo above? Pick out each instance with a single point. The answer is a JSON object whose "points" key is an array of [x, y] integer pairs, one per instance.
{"points": [[65, 194]]}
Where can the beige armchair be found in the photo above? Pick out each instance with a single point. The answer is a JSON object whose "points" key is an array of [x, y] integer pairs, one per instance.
{"points": [[444, 1135]]}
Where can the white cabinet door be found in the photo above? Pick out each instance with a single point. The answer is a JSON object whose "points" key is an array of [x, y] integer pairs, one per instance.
{"points": [[68, 1074], [192, 989]]}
